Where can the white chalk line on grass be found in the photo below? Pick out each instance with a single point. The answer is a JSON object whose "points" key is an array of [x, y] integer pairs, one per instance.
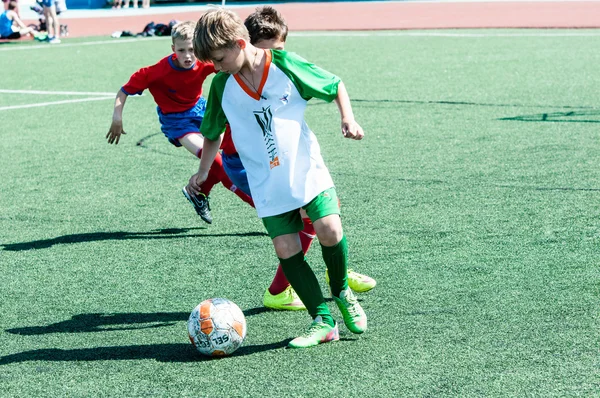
{"points": [[6, 108], [40, 92], [90, 43], [407, 33], [402, 33]]}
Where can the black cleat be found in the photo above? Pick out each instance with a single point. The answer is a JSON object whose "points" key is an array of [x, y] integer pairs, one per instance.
{"points": [[201, 205]]}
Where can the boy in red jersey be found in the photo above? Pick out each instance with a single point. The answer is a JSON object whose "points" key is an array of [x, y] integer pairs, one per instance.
{"points": [[176, 82], [268, 30]]}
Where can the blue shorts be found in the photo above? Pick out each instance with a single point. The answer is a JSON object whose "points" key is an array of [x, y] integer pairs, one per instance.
{"points": [[177, 125], [47, 3], [236, 172]]}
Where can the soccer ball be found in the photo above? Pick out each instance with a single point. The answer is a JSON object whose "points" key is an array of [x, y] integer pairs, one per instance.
{"points": [[217, 327]]}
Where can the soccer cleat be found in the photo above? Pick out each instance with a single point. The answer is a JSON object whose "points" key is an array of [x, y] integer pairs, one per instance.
{"points": [[286, 300], [318, 333], [54, 40], [354, 316], [201, 205], [358, 282]]}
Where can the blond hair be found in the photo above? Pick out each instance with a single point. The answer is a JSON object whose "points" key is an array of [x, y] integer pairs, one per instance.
{"points": [[217, 29], [183, 31]]}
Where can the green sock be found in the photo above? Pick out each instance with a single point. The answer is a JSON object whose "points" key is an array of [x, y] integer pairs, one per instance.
{"points": [[303, 280], [336, 259]]}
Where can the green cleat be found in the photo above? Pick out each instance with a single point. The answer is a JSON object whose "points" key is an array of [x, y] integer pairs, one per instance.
{"points": [[286, 300], [318, 333], [354, 316], [358, 282]]}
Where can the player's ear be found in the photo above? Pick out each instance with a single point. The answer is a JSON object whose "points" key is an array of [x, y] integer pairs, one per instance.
{"points": [[173, 47], [241, 43]]}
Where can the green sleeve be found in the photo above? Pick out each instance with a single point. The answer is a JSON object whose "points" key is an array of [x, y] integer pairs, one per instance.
{"points": [[214, 121], [310, 80]]}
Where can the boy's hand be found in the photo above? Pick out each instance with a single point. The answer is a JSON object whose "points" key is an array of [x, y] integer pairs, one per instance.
{"points": [[196, 181], [352, 130], [115, 131]]}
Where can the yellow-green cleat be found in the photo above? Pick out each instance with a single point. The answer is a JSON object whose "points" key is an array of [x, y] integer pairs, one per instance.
{"points": [[286, 300], [354, 316], [318, 333], [358, 282]]}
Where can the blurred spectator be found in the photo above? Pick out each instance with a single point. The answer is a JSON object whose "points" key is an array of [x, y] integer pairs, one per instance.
{"points": [[15, 10], [11, 26], [52, 24], [61, 7], [145, 3]]}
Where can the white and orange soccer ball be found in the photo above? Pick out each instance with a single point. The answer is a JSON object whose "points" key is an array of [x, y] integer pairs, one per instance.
{"points": [[217, 327]]}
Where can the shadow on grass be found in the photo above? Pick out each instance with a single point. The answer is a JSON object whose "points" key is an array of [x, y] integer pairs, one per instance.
{"points": [[430, 182], [143, 143], [379, 102], [174, 352], [85, 323], [559, 117], [169, 352], [166, 233]]}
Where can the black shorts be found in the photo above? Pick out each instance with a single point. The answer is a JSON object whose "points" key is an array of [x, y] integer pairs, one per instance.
{"points": [[12, 36]]}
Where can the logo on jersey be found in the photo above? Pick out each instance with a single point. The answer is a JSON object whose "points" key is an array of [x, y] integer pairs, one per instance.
{"points": [[285, 98], [264, 119]]}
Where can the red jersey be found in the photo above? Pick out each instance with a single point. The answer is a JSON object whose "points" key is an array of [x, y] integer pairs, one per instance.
{"points": [[227, 144], [174, 89]]}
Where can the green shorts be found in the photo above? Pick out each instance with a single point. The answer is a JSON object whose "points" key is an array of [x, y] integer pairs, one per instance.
{"points": [[324, 204]]}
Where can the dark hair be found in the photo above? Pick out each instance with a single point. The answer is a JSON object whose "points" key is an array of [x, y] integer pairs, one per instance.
{"points": [[12, 5], [266, 23]]}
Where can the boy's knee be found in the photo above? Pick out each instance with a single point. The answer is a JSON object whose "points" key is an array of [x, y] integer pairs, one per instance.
{"points": [[329, 230], [287, 245]]}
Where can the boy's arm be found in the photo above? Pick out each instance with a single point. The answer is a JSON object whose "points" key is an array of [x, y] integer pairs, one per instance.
{"points": [[209, 152], [18, 21], [116, 127], [212, 127], [350, 129]]}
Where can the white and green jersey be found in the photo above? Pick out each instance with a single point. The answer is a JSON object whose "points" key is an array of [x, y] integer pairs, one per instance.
{"points": [[280, 153]]}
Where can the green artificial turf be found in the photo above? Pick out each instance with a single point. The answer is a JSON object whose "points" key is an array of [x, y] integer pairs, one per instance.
{"points": [[473, 200]]}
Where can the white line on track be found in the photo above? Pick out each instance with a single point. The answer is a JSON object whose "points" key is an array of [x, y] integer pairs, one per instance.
{"points": [[400, 33], [90, 43], [6, 108], [38, 92], [410, 33]]}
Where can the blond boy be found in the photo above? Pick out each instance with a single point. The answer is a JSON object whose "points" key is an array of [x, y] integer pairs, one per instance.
{"points": [[176, 82], [263, 96]]}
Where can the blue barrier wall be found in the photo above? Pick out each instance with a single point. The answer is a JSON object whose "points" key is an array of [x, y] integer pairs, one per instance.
{"points": [[79, 4]]}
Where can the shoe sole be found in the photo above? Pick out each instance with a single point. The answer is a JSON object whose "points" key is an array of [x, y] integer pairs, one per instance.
{"points": [[353, 286], [295, 347], [361, 290], [335, 338], [290, 308]]}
